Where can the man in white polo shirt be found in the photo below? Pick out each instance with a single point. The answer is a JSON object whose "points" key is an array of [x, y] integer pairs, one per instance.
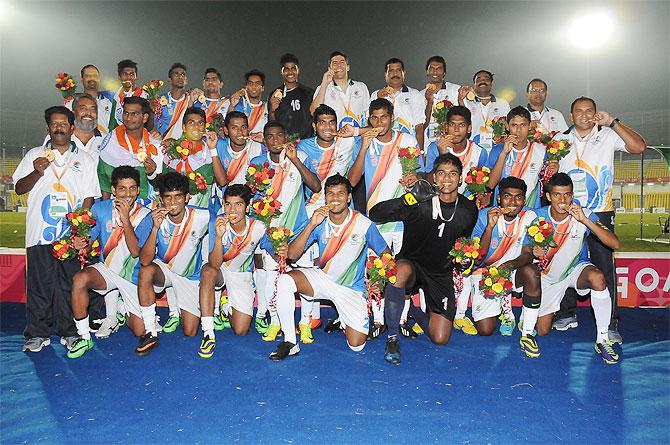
{"points": [[437, 89], [594, 138], [90, 79], [548, 119], [409, 104], [60, 178], [484, 106], [350, 99]]}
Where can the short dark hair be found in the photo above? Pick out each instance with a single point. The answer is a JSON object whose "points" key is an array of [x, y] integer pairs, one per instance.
{"points": [[125, 172], [254, 72], [438, 59], [482, 71], [126, 63], [241, 190], [381, 104], [518, 111], [337, 179], [171, 181], [273, 124], [460, 110], [234, 115], [448, 158], [558, 179], [394, 60], [58, 109], [83, 68], [193, 110], [288, 58], [537, 79], [337, 53], [79, 96], [574, 102], [137, 100], [512, 182], [213, 70], [323, 110], [175, 66]]}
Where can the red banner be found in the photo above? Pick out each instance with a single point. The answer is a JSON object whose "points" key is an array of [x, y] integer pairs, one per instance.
{"points": [[643, 279]]}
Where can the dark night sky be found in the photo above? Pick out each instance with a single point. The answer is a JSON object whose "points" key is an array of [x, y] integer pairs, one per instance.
{"points": [[516, 40]]}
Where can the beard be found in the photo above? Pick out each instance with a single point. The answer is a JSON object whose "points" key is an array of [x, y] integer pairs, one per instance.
{"points": [[85, 127]]}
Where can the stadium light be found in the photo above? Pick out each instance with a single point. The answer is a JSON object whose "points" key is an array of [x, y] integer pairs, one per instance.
{"points": [[592, 30]]}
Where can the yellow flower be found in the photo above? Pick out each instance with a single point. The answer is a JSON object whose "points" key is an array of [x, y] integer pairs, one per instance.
{"points": [[392, 280], [96, 243], [493, 271], [488, 282], [163, 101], [387, 256], [476, 240], [75, 222], [532, 230], [266, 181], [191, 175], [553, 151], [251, 170], [185, 152], [57, 247], [276, 235], [270, 191], [377, 263], [486, 170], [439, 105], [382, 272], [65, 256], [497, 288], [264, 212], [539, 238], [179, 149]]}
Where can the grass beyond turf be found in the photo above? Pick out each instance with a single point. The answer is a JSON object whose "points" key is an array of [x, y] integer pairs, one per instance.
{"points": [[627, 228]]}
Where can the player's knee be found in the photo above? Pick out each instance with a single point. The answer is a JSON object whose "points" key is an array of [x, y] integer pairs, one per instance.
{"points": [[531, 277], [404, 271], [485, 331], [240, 330], [146, 273], [190, 331], [207, 272], [356, 346], [440, 339], [80, 279], [542, 330], [597, 280]]}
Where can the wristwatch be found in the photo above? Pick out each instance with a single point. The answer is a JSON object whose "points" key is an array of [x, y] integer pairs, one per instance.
{"points": [[614, 121]]}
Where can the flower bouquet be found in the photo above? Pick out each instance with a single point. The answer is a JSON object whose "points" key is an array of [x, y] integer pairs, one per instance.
{"points": [[259, 177], [81, 222], [380, 270], [495, 282], [65, 84], [476, 182], [541, 234]]}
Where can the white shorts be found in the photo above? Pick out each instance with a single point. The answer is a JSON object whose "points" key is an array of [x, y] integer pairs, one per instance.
{"points": [[240, 290], [186, 291], [393, 240], [487, 307], [552, 293], [351, 305], [127, 289]]}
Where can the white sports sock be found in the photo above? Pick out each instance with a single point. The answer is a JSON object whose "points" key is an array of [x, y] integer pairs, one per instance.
{"points": [[149, 318], [463, 298], [83, 329], [378, 312], [529, 317], [207, 326], [305, 309], [316, 310], [356, 348], [111, 304], [173, 305], [217, 302], [260, 278], [602, 309], [405, 311], [286, 289]]}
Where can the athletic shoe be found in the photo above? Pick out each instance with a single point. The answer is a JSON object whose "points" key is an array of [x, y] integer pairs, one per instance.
{"points": [[218, 322], [506, 325], [284, 350], [223, 300], [416, 328], [565, 323], [376, 330], [171, 325], [607, 352], [520, 326], [107, 328], [407, 331], [332, 326], [274, 330], [226, 321], [157, 324], [314, 323], [94, 325], [614, 336], [147, 342], [261, 325], [207, 346], [36, 344], [68, 342], [529, 345], [392, 351], [305, 333], [465, 324], [122, 318], [80, 347]]}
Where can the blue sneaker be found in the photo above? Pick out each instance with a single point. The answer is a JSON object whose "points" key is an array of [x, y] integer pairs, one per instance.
{"points": [[392, 351], [506, 325], [607, 352]]}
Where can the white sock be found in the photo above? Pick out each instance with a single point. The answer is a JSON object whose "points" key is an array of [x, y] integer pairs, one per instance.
{"points": [[286, 289], [149, 318], [316, 310], [305, 309], [463, 298], [83, 329], [173, 305], [111, 304], [405, 311], [260, 278], [378, 312], [529, 317], [356, 348], [602, 309], [207, 326]]}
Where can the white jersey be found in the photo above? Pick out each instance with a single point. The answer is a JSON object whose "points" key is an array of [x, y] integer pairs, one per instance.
{"points": [[409, 109], [448, 91], [104, 111], [482, 114], [69, 179], [351, 106], [239, 248], [550, 119]]}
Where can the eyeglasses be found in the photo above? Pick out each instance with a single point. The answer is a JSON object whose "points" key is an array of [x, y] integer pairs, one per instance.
{"points": [[537, 90]]}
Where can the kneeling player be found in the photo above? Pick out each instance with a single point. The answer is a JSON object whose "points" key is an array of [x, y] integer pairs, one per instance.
{"points": [[431, 229], [502, 230], [343, 236], [233, 239], [172, 257], [568, 264], [121, 229]]}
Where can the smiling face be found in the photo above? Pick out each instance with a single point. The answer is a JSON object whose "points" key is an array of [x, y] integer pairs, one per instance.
{"points": [[483, 84], [86, 114], [435, 72], [126, 189], [59, 129], [339, 67], [447, 177], [254, 86], [560, 198], [235, 208], [337, 198], [175, 201], [511, 200], [238, 131], [289, 72], [582, 114], [326, 127]]}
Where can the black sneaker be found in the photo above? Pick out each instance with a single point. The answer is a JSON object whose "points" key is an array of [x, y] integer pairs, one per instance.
{"points": [[94, 325], [332, 326], [376, 330], [284, 350], [407, 332], [392, 351], [147, 342]]}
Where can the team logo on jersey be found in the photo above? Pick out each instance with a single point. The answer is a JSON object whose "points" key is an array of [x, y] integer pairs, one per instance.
{"points": [[533, 166], [494, 243], [315, 164], [357, 94], [76, 165], [109, 226], [553, 118], [333, 95], [495, 110], [406, 100], [355, 239]]}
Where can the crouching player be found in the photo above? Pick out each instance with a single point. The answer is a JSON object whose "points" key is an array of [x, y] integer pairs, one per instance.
{"points": [[172, 257], [343, 236], [121, 229], [502, 230], [231, 264], [568, 264]]}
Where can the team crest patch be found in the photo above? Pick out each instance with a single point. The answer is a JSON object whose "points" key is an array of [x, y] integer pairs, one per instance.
{"points": [[355, 239], [109, 225], [315, 164], [76, 165], [333, 95], [357, 94], [494, 243]]}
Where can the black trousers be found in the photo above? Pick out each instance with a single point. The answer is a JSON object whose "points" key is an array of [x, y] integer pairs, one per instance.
{"points": [[603, 258], [48, 293]]}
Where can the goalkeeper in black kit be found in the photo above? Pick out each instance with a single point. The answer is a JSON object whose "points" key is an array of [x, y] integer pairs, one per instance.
{"points": [[434, 217]]}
